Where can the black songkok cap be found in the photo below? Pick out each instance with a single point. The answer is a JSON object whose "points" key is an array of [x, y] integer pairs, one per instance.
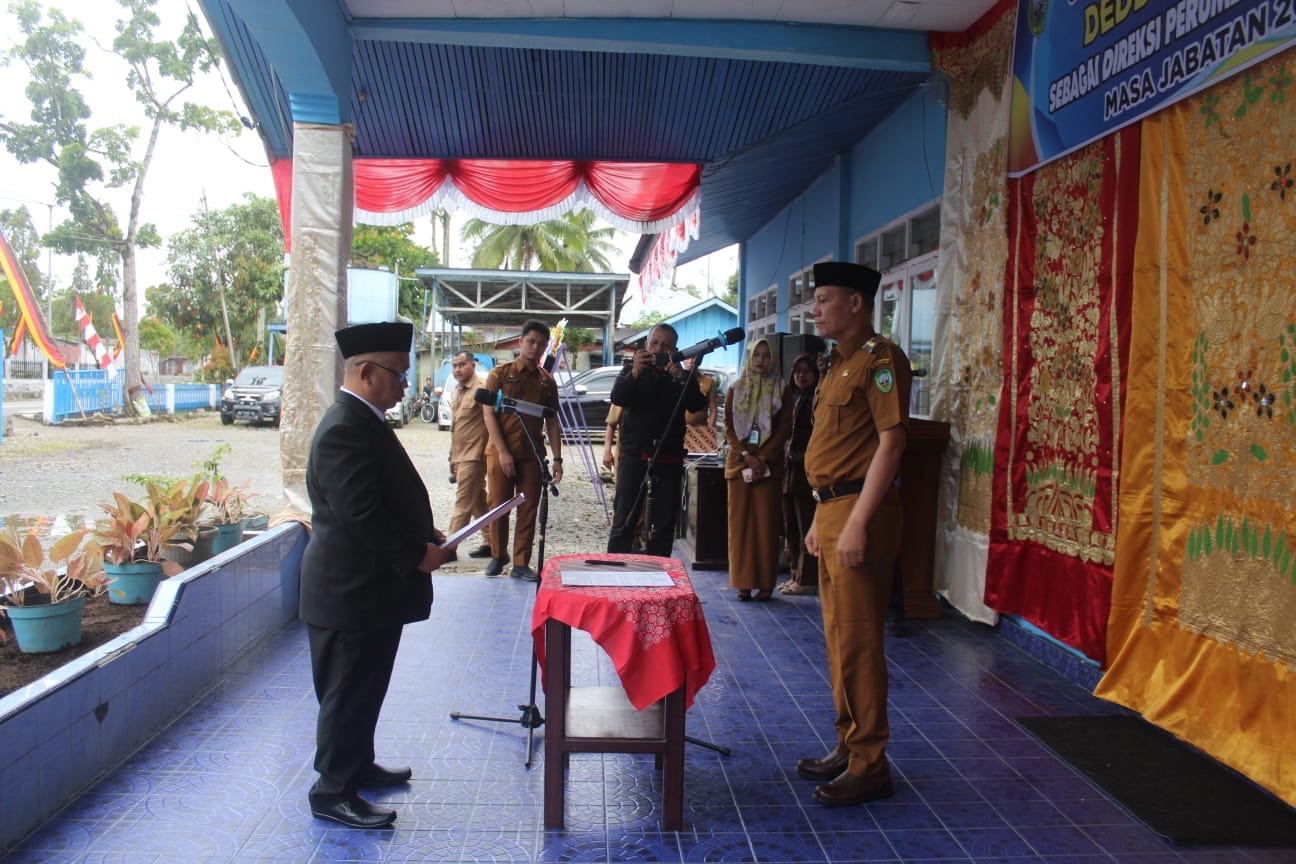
{"points": [[375, 338], [856, 277]]}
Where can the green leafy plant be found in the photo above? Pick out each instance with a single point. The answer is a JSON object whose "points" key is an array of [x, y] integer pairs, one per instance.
{"points": [[228, 503], [71, 567], [140, 531]]}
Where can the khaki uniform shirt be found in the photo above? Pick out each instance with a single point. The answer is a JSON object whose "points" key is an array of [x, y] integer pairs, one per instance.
{"points": [[707, 385], [467, 430], [864, 391], [528, 385]]}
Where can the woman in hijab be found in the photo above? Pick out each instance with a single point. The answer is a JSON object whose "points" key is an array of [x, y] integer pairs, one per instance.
{"points": [[798, 503], [755, 428]]}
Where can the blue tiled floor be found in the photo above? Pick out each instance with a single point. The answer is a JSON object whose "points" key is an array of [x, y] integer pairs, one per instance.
{"points": [[228, 781]]}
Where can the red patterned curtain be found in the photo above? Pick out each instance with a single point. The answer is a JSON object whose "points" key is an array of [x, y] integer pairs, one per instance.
{"points": [[1071, 229], [640, 197]]}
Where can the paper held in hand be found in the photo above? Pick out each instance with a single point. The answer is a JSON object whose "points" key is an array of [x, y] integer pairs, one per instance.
{"points": [[482, 521]]}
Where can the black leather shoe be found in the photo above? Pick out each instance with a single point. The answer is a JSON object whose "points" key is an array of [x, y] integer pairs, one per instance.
{"points": [[350, 810], [496, 566], [525, 573], [850, 789], [376, 776], [826, 768], [480, 552]]}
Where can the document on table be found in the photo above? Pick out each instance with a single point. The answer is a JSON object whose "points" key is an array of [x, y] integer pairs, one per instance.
{"points": [[482, 521], [594, 575]]}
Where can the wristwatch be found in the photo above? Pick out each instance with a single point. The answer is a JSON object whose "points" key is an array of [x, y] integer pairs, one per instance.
{"points": [[557, 460]]}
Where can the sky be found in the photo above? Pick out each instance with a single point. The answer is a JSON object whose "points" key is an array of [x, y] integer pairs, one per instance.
{"points": [[187, 166]]}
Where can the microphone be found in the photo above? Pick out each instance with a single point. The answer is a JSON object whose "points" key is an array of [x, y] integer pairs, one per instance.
{"points": [[497, 400], [706, 346]]}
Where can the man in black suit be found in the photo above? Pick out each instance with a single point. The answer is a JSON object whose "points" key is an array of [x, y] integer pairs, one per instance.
{"points": [[366, 571]]}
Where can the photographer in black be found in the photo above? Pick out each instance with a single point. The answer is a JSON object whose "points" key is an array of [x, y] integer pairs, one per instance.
{"points": [[648, 390]]}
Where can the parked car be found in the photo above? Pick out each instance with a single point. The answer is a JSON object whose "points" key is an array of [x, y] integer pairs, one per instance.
{"points": [[399, 414], [254, 395], [445, 415], [591, 390]]}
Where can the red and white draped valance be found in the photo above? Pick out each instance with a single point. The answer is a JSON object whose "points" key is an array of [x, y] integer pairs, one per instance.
{"points": [[660, 263], [639, 197]]}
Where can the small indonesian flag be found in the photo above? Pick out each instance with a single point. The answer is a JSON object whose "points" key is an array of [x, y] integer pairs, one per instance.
{"points": [[102, 357]]}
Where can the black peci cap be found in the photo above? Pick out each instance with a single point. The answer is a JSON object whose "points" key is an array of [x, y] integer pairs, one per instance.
{"points": [[856, 277], [377, 338]]}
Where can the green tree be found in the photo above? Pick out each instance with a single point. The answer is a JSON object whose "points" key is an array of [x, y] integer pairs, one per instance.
{"points": [[648, 320], [226, 273], [157, 337], [98, 305], [568, 245], [91, 163], [576, 338], [730, 295], [25, 242], [391, 246]]}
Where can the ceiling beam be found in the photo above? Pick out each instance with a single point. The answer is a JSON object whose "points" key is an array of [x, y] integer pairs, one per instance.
{"points": [[771, 41], [308, 44]]}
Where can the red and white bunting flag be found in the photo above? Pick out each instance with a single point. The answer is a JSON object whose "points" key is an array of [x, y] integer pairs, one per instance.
{"points": [[91, 338]]}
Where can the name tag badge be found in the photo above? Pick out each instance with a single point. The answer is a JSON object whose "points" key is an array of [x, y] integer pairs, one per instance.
{"points": [[754, 437]]}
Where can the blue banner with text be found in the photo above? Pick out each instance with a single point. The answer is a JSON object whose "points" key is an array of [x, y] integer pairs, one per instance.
{"points": [[1084, 69]]}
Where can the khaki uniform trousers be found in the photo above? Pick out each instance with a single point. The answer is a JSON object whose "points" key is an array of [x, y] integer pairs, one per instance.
{"points": [[525, 479], [854, 601], [470, 497]]}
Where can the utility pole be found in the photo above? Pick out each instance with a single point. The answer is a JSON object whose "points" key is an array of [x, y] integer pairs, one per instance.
{"points": [[219, 274], [49, 294]]}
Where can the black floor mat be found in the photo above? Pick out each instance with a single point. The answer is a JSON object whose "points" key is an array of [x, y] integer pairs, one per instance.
{"points": [[1178, 792]]}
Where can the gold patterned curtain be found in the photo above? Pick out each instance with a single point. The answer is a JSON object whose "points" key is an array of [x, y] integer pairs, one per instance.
{"points": [[1071, 230], [967, 367], [1202, 638]]}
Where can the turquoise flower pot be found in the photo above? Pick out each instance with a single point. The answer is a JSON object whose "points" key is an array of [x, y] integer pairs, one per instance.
{"points": [[47, 627], [227, 537], [134, 583]]}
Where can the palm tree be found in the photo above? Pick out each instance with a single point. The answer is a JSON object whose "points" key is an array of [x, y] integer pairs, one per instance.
{"points": [[568, 245]]}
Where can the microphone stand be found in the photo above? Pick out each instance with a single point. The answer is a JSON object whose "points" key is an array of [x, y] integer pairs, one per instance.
{"points": [[646, 494], [531, 718]]}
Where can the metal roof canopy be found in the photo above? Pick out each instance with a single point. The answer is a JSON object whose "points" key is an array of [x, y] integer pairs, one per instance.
{"points": [[764, 94], [502, 298]]}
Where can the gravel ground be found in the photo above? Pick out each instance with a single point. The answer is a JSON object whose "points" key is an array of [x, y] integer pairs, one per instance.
{"points": [[67, 470]]}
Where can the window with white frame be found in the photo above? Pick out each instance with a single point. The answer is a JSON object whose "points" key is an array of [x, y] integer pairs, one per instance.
{"points": [[907, 252], [801, 299], [761, 312]]}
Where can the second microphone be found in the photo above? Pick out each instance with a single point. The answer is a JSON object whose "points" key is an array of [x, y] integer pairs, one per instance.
{"points": [[497, 400]]}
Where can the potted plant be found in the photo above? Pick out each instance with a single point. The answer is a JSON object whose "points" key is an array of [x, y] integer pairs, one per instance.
{"points": [[135, 536], [189, 499], [44, 592], [229, 507]]}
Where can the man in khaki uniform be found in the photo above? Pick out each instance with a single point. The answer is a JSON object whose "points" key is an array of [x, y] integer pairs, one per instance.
{"points": [[511, 464], [861, 414], [467, 447]]}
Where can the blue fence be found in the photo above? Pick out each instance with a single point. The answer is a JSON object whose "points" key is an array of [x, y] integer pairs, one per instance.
{"points": [[95, 391]]}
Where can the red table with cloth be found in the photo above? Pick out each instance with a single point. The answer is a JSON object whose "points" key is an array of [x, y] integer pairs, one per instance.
{"points": [[658, 642], [657, 637]]}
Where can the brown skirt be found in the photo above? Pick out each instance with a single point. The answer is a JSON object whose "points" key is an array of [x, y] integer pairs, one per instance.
{"points": [[755, 532]]}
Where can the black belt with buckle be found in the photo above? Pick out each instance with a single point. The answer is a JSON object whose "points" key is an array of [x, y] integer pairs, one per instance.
{"points": [[827, 493]]}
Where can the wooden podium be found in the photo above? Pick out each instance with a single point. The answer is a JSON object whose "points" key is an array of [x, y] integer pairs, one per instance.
{"points": [[703, 530], [920, 469]]}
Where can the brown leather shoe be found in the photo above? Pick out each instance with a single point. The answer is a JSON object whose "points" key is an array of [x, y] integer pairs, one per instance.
{"points": [[823, 769], [852, 789]]}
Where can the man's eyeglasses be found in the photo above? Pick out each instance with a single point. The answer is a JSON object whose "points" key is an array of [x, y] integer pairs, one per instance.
{"points": [[403, 376]]}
